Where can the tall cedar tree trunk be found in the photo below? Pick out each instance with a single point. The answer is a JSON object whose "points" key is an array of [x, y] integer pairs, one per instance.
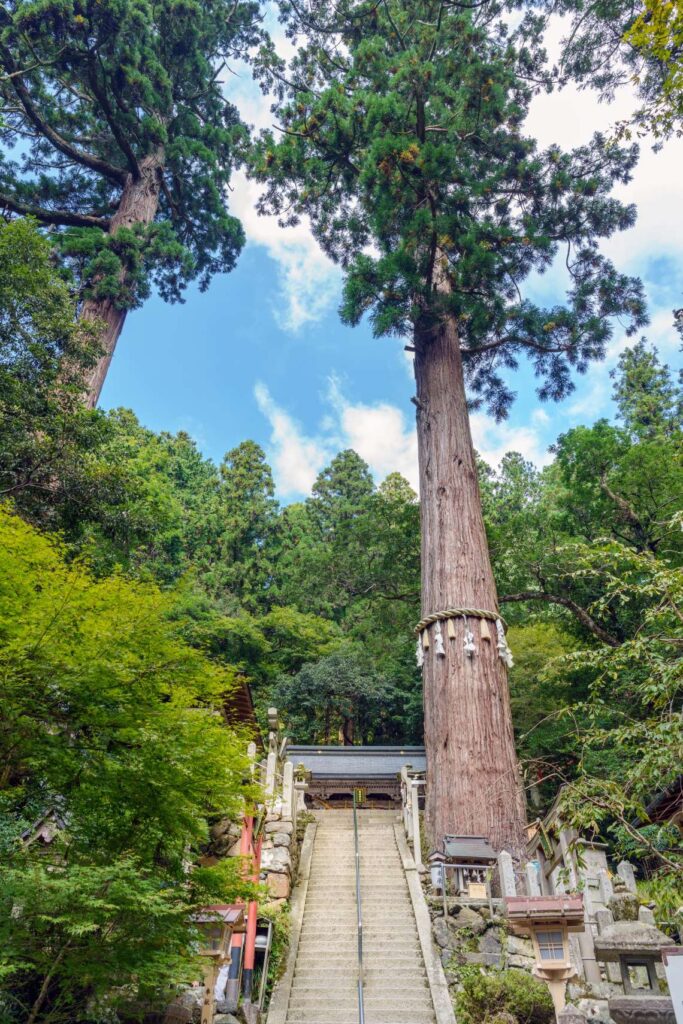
{"points": [[473, 783], [138, 205]]}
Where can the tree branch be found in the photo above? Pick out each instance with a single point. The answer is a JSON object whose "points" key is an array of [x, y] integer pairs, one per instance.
{"points": [[627, 514], [64, 218], [566, 602], [79, 156], [120, 137]]}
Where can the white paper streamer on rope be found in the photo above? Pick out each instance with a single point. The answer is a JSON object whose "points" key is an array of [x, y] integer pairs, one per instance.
{"points": [[469, 648], [438, 641], [504, 652], [419, 653]]}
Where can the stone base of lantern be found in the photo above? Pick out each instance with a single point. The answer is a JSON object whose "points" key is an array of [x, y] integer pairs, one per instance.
{"points": [[637, 1009]]}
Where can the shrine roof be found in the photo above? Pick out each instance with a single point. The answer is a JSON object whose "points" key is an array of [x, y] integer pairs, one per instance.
{"points": [[357, 762]]}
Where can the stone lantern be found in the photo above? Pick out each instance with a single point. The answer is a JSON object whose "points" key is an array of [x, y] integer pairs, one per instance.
{"points": [[216, 924], [549, 920], [636, 947]]}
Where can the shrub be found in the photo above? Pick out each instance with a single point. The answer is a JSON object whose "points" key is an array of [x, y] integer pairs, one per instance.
{"points": [[503, 997]]}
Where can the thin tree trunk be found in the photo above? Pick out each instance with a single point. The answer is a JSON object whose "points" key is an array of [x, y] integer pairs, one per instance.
{"points": [[473, 782], [138, 205], [44, 988], [346, 733]]}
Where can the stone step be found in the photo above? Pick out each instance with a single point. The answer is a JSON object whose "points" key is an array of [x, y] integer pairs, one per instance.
{"points": [[336, 928], [372, 961], [340, 1015], [370, 948], [318, 886], [378, 961], [348, 938], [417, 1005], [400, 904], [374, 982]]}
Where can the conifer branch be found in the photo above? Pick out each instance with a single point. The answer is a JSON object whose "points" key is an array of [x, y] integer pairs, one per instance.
{"points": [[63, 218], [79, 156]]}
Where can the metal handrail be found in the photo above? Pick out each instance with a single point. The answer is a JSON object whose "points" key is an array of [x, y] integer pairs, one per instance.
{"points": [[359, 909]]}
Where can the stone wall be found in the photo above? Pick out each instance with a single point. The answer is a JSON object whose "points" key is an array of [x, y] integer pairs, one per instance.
{"points": [[280, 852]]}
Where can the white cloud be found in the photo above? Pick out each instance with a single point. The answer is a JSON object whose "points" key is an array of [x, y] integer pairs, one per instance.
{"points": [[382, 434], [379, 433], [309, 281], [493, 440], [296, 459]]}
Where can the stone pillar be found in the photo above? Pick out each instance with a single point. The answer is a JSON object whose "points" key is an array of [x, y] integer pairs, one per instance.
{"points": [[627, 875], [405, 802], [287, 790], [415, 815], [270, 774], [506, 872], [532, 880], [606, 889], [568, 860]]}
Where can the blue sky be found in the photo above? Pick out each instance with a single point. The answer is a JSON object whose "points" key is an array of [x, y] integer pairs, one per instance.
{"points": [[262, 354]]}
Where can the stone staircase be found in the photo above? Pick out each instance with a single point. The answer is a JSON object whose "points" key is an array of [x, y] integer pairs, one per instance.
{"points": [[324, 987]]}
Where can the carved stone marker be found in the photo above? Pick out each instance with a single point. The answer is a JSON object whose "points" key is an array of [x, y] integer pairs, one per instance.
{"points": [[507, 874]]}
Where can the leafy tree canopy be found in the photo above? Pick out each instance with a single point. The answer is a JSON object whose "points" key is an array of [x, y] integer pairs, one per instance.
{"points": [[97, 94], [42, 352], [401, 129], [338, 699], [111, 727]]}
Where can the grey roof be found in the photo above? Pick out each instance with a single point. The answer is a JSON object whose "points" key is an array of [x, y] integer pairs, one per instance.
{"points": [[468, 848], [357, 762]]}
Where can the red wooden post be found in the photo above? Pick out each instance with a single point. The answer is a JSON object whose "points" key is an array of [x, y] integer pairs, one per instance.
{"points": [[250, 938]]}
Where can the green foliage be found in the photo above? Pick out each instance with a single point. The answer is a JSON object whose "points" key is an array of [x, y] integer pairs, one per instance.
{"points": [[340, 697], [503, 997], [402, 140], [98, 97], [610, 44], [282, 925], [629, 728], [649, 402], [657, 35], [111, 725], [543, 734], [42, 354]]}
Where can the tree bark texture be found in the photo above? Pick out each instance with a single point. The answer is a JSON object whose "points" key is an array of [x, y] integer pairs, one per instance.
{"points": [[473, 782], [138, 205]]}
